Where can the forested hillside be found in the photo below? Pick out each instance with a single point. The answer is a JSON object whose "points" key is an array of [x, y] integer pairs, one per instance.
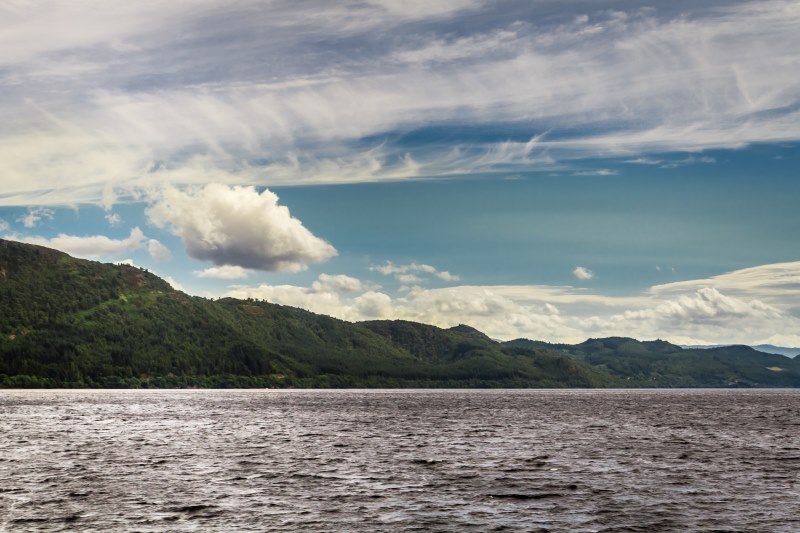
{"points": [[67, 322], [71, 322]]}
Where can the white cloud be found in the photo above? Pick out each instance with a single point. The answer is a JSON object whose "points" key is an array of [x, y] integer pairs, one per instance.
{"points": [[582, 273], [238, 226], [113, 219], [447, 276], [408, 278], [777, 284], [442, 50], [596, 172], [405, 273], [35, 215], [694, 313], [174, 284], [90, 246], [158, 251], [223, 272], [645, 80], [338, 283]]}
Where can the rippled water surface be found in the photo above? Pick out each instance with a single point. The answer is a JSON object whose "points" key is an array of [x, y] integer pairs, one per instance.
{"points": [[399, 460]]}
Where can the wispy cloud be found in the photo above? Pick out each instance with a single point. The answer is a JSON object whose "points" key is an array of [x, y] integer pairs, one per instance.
{"points": [[34, 215], [410, 273], [90, 246], [95, 95]]}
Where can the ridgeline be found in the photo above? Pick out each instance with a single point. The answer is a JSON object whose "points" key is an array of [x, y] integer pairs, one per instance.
{"points": [[67, 322]]}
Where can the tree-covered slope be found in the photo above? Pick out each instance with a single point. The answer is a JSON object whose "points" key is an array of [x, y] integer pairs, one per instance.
{"points": [[72, 322], [467, 353], [661, 364]]}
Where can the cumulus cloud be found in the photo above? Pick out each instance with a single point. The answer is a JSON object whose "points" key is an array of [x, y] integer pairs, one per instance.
{"points": [[91, 246], [238, 226], [158, 251], [113, 219], [582, 273], [408, 278], [336, 283], [696, 314], [777, 284], [174, 284]]}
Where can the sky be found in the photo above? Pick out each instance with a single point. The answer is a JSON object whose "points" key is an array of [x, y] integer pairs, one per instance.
{"points": [[554, 170]]}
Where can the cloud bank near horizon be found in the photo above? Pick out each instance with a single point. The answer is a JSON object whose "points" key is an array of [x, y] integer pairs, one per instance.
{"points": [[708, 311]]}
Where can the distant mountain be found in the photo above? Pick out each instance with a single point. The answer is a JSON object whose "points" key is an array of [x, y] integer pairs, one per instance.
{"points": [[769, 348], [67, 322], [662, 364], [765, 348]]}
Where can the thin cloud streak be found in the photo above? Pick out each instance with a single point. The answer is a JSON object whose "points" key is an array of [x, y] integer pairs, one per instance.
{"points": [[602, 84]]}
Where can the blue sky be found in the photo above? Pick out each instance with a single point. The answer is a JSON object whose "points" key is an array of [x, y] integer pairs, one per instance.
{"points": [[551, 170]]}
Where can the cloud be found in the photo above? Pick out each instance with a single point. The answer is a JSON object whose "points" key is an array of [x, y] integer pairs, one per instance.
{"points": [[582, 273], [35, 215], [408, 278], [104, 102], [158, 251], [223, 272], [238, 226], [338, 283], [113, 219], [596, 172], [777, 284], [174, 284], [693, 313], [91, 246], [405, 273], [3, 225]]}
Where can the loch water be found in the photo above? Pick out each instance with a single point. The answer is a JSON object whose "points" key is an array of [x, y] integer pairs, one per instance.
{"points": [[387, 460]]}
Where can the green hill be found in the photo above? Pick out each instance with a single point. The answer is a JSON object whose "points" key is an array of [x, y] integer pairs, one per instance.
{"points": [[67, 322], [72, 322], [661, 364]]}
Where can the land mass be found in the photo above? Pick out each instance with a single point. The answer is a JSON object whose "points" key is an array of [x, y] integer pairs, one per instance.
{"points": [[67, 322]]}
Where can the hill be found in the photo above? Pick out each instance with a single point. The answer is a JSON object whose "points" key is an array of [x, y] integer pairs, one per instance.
{"points": [[766, 348], [72, 322], [661, 364], [67, 322]]}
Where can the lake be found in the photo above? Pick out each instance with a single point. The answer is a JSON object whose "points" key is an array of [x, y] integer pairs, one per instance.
{"points": [[387, 460]]}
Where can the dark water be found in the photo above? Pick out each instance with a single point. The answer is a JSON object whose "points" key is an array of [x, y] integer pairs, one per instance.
{"points": [[400, 460]]}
